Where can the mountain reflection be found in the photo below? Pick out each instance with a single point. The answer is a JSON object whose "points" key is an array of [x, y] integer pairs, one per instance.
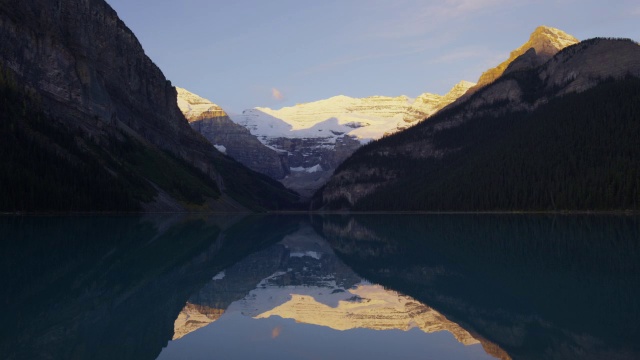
{"points": [[540, 287], [111, 287], [276, 286], [301, 278]]}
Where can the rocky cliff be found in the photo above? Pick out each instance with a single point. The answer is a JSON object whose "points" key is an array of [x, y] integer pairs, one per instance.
{"points": [[214, 124], [79, 63], [92, 72], [543, 44]]}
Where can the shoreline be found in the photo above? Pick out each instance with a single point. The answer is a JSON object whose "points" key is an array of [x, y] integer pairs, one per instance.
{"points": [[307, 212]]}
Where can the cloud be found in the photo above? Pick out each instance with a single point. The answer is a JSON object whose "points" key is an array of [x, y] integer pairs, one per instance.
{"points": [[277, 94], [276, 332]]}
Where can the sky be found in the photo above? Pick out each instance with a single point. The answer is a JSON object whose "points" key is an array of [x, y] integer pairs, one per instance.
{"points": [[274, 53]]}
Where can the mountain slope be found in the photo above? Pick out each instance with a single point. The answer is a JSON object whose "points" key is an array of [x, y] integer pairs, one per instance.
{"points": [[545, 41], [561, 136], [214, 124], [543, 44], [318, 136], [76, 68]]}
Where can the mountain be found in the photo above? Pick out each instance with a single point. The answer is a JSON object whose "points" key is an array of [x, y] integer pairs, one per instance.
{"points": [[544, 42], [214, 124], [90, 123], [542, 45], [320, 135], [558, 136], [301, 278]]}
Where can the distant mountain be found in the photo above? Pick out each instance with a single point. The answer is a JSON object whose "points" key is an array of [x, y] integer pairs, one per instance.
{"points": [[557, 136], [214, 124], [318, 136], [90, 123]]}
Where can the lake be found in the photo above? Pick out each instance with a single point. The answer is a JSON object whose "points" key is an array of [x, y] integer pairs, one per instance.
{"points": [[457, 286]]}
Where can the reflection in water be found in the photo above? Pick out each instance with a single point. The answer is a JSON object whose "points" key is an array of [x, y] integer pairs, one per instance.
{"points": [[540, 287], [525, 287], [111, 287], [365, 306], [194, 317], [300, 278], [307, 283]]}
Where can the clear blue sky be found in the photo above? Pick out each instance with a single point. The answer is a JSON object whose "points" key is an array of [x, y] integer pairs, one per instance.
{"points": [[236, 52]]}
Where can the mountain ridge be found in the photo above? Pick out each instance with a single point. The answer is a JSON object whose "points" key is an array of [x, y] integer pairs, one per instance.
{"points": [[431, 147], [545, 42], [394, 112]]}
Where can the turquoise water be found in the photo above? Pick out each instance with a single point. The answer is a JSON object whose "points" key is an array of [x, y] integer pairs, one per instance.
{"points": [[320, 287]]}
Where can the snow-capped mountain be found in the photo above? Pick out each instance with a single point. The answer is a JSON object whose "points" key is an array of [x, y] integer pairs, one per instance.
{"points": [[362, 118], [319, 135], [194, 107], [228, 137]]}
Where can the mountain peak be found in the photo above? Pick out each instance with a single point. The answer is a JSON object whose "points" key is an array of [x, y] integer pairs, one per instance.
{"points": [[548, 41], [545, 41], [194, 107], [462, 85]]}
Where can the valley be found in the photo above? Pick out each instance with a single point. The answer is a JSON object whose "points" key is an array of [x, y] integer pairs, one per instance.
{"points": [[98, 106]]}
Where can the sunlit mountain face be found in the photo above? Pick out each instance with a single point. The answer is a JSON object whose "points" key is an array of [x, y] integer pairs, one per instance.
{"points": [[301, 278]]}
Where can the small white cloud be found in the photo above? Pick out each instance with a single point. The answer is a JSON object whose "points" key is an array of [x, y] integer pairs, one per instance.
{"points": [[276, 94]]}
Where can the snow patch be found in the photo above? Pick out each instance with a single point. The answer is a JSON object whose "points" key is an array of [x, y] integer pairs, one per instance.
{"points": [[311, 254], [219, 276], [313, 169], [221, 148]]}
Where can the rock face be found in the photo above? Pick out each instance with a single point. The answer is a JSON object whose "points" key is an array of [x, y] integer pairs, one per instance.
{"points": [[92, 72], [544, 41], [89, 73], [214, 124], [573, 70], [542, 45], [319, 136]]}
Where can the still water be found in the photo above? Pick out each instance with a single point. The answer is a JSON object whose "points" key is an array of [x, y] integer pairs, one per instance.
{"points": [[320, 287]]}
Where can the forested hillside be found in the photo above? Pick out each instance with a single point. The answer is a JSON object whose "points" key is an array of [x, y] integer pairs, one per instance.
{"points": [[578, 152]]}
